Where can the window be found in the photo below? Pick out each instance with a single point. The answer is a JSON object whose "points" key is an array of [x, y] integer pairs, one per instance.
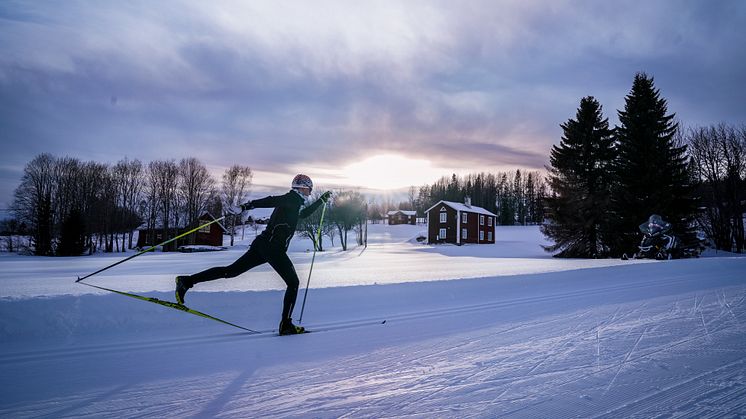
{"points": [[481, 220], [205, 229], [442, 217], [489, 236], [489, 221], [463, 234], [442, 234], [481, 236], [464, 218]]}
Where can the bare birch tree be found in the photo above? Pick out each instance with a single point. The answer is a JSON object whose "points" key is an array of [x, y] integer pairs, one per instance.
{"points": [[236, 187]]}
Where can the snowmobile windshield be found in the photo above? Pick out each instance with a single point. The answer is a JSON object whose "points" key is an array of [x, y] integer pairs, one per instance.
{"points": [[654, 225]]}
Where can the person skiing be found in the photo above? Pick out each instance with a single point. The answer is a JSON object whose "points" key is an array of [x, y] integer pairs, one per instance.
{"points": [[269, 247]]}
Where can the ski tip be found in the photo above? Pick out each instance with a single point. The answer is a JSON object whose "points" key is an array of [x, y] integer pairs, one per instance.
{"points": [[383, 322], [77, 280]]}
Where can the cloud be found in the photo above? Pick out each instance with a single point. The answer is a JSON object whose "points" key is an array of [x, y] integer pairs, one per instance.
{"points": [[478, 84]]}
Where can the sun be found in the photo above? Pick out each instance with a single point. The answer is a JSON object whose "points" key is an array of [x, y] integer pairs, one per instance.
{"points": [[389, 171]]}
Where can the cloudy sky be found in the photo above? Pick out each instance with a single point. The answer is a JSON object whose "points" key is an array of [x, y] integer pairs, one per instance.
{"points": [[380, 94]]}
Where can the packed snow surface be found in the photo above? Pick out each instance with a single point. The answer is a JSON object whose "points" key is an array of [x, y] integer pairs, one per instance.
{"points": [[400, 329]]}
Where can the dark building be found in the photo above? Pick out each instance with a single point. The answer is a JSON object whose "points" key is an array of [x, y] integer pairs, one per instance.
{"points": [[212, 235], [402, 217], [457, 223]]}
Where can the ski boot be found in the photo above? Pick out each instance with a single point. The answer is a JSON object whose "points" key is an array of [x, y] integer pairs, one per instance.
{"points": [[288, 328], [182, 285]]}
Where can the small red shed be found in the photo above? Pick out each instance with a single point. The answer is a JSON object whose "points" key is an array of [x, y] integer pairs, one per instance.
{"points": [[212, 235]]}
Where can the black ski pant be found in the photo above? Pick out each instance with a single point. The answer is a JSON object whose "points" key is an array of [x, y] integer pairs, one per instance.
{"points": [[261, 251]]}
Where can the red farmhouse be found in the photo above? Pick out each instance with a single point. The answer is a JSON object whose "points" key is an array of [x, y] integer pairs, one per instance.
{"points": [[453, 222], [402, 217], [211, 235]]}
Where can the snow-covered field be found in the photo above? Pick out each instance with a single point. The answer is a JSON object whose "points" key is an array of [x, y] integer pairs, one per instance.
{"points": [[471, 331]]}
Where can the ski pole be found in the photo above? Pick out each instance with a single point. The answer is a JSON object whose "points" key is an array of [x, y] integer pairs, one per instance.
{"points": [[150, 248], [318, 238]]}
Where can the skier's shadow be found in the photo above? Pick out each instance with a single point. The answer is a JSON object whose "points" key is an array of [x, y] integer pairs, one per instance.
{"points": [[215, 407], [87, 402]]}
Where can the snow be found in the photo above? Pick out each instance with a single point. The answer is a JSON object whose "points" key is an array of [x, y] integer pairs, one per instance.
{"points": [[470, 331], [458, 206]]}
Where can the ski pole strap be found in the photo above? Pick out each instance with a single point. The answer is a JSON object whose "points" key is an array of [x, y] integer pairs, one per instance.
{"points": [[150, 249], [176, 306], [318, 238]]}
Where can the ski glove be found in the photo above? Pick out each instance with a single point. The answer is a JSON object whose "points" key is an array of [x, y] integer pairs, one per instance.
{"points": [[325, 196]]}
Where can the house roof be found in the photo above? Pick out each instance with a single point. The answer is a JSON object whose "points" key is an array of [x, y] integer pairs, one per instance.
{"points": [[402, 211], [462, 207]]}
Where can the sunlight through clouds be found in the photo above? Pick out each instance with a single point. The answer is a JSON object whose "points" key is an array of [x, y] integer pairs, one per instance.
{"points": [[390, 171], [383, 172]]}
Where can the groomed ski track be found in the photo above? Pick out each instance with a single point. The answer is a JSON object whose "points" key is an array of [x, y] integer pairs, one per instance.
{"points": [[659, 339]]}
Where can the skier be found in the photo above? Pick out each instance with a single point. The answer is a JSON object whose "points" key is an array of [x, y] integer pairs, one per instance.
{"points": [[269, 247]]}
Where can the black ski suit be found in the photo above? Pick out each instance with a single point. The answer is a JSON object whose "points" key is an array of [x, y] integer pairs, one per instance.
{"points": [[270, 246]]}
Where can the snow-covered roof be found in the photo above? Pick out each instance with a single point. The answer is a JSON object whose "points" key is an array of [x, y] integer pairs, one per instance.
{"points": [[463, 208], [403, 212]]}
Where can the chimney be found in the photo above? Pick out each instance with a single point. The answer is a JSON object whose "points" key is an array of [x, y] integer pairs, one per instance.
{"points": [[467, 201]]}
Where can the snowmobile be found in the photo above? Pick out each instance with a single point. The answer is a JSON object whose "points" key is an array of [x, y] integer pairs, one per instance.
{"points": [[659, 243]]}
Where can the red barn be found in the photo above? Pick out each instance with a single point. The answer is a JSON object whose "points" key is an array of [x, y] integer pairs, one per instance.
{"points": [[402, 217], [211, 235], [453, 222]]}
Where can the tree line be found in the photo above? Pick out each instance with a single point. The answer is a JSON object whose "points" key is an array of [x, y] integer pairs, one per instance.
{"points": [[516, 197], [69, 207], [605, 181], [718, 163]]}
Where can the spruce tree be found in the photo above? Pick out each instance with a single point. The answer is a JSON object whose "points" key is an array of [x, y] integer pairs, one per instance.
{"points": [[651, 171], [580, 178]]}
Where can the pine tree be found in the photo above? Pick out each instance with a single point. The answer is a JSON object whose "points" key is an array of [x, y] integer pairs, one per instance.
{"points": [[651, 172], [580, 178]]}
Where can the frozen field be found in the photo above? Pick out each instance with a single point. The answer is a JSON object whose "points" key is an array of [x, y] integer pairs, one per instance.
{"points": [[472, 331]]}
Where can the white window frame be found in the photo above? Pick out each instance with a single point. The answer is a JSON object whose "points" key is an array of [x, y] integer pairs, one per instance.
{"points": [[481, 235], [442, 234], [489, 236], [464, 217], [463, 234], [489, 221], [205, 229], [481, 220], [443, 217]]}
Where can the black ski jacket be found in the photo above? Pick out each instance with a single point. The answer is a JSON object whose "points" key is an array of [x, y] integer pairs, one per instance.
{"points": [[284, 219]]}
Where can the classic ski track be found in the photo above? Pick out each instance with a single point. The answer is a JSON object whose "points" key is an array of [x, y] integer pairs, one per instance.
{"points": [[85, 350], [624, 362], [405, 407], [333, 326], [673, 386], [435, 354], [463, 380], [431, 355], [628, 359], [401, 407], [565, 340], [654, 351], [552, 354], [433, 313]]}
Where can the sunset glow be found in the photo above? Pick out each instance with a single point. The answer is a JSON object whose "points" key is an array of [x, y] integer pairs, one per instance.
{"points": [[390, 171]]}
